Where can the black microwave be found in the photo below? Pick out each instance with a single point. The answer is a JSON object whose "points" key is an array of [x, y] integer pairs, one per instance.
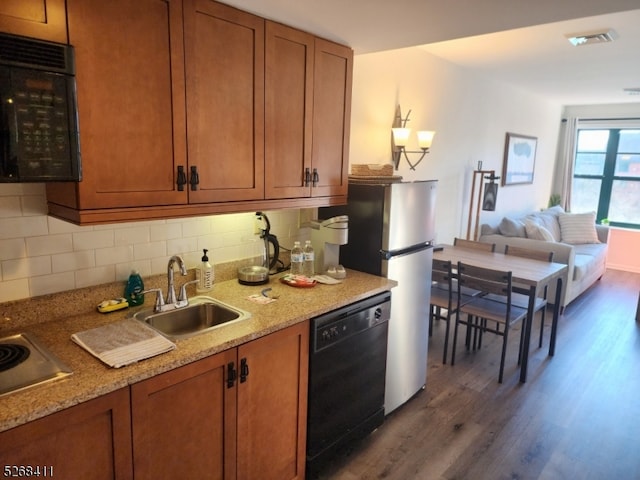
{"points": [[38, 115]]}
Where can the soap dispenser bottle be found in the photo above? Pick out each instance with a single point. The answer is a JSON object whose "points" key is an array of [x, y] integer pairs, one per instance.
{"points": [[133, 288], [205, 274]]}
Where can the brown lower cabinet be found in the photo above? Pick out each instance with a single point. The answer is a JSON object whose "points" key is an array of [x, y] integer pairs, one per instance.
{"points": [[238, 414], [89, 440]]}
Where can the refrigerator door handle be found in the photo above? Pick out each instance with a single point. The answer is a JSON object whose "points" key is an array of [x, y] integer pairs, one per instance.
{"points": [[389, 254]]}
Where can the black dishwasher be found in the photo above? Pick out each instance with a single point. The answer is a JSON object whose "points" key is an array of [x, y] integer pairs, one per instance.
{"points": [[346, 377]]}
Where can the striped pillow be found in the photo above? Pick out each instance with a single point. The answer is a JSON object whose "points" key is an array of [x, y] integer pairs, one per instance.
{"points": [[577, 228]]}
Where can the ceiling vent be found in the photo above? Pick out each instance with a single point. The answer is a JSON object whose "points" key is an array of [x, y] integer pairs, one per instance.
{"points": [[632, 91], [589, 38]]}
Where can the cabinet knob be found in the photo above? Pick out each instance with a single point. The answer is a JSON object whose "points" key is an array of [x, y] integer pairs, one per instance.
{"points": [[307, 177], [316, 177]]}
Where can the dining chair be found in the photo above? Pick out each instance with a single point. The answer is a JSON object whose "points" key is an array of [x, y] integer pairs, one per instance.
{"points": [[482, 314], [444, 298], [520, 297], [472, 244]]}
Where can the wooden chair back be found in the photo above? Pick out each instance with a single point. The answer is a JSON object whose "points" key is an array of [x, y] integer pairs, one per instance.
{"points": [[441, 273], [485, 280], [529, 253], [472, 244]]}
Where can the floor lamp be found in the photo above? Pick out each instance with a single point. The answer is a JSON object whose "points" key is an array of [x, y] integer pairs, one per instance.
{"points": [[489, 202]]}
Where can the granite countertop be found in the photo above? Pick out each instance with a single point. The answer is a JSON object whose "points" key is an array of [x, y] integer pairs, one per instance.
{"points": [[91, 378]]}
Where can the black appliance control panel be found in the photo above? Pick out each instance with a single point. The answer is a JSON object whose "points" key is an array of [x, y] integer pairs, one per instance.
{"points": [[341, 324]]}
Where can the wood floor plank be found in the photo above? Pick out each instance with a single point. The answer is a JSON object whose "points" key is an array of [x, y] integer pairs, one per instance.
{"points": [[577, 417]]}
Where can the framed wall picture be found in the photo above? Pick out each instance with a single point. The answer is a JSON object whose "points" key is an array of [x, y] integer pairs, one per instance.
{"points": [[519, 159]]}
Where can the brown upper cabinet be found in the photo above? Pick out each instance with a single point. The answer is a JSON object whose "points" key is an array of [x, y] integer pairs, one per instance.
{"points": [[225, 101], [192, 107], [130, 87], [308, 100], [42, 19]]}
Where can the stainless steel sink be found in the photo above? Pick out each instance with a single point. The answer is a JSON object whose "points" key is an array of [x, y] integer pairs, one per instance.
{"points": [[203, 314]]}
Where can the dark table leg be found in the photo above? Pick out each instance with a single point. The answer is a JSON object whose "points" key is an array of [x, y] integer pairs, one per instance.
{"points": [[527, 335], [556, 314]]}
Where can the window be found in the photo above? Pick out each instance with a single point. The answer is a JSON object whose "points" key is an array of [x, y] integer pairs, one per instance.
{"points": [[606, 176]]}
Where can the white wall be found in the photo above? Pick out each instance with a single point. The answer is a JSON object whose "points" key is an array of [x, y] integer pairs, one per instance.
{"points": [[471, 116], [41, 255]]}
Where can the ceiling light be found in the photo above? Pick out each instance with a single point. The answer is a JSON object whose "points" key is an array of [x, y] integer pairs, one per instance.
{"points": [[588, 38]]}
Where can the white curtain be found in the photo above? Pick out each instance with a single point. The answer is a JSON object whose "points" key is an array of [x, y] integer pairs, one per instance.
{"points": [[566, 159]]}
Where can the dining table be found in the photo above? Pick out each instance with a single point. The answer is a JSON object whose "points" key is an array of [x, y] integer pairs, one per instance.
{"points": [[529, 273]]}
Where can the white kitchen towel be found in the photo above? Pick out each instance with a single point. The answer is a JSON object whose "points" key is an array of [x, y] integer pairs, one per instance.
{"points": [[122, 343]]}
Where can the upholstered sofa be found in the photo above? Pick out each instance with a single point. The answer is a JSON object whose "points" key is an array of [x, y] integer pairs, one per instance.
{"points": [[574, 239]]}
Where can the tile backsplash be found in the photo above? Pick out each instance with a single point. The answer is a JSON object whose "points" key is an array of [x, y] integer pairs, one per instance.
{"points": [[40, 255]]}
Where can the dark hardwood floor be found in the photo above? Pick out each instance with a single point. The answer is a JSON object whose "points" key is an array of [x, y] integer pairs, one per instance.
{"points": [[577, 417]]}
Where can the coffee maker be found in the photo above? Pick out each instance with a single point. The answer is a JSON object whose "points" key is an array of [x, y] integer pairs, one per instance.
{"points": [[326, 238]]}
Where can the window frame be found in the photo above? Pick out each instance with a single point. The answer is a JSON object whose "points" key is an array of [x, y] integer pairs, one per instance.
{"points": [[608, 176]]}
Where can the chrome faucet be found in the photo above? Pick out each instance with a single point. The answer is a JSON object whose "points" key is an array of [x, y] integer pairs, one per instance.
{"points": [[171, 291], [171, 302]]}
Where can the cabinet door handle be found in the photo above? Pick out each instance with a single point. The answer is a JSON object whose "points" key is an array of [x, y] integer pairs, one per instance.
{"points": [[244, 370], [232, 375], [316, 177], [195, 178], [181, 181], [307, 177]]}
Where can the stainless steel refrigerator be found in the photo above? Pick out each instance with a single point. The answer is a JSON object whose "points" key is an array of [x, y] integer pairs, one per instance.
{"points": [[391, 234]]}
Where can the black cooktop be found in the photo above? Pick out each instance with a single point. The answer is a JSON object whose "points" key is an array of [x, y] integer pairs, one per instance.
{"points": [[12, 354]]}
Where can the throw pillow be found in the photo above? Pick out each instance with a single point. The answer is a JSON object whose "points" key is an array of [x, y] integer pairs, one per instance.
{"points": [[511, 228], [536, 231], [550, 222], [578, 228]]}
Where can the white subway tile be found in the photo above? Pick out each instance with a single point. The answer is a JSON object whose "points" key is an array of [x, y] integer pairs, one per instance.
{"points": [[113, 255], [165, 231], [12, 248], [149, 250], [65, 262], [33, 189], [49, 244], [126, 236], [23, 227], [14, 290], [34, 205], [56, 282], [10, 207], [143, 267], [93, 239], [195, 227], [95, 276], [182, 245], [10, 189], [60, 226], [26, 267]]}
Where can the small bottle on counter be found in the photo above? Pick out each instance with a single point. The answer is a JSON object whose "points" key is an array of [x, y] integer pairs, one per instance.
{"points": [[297, 259], [132, 289], [309, 260], [204, 274]]}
